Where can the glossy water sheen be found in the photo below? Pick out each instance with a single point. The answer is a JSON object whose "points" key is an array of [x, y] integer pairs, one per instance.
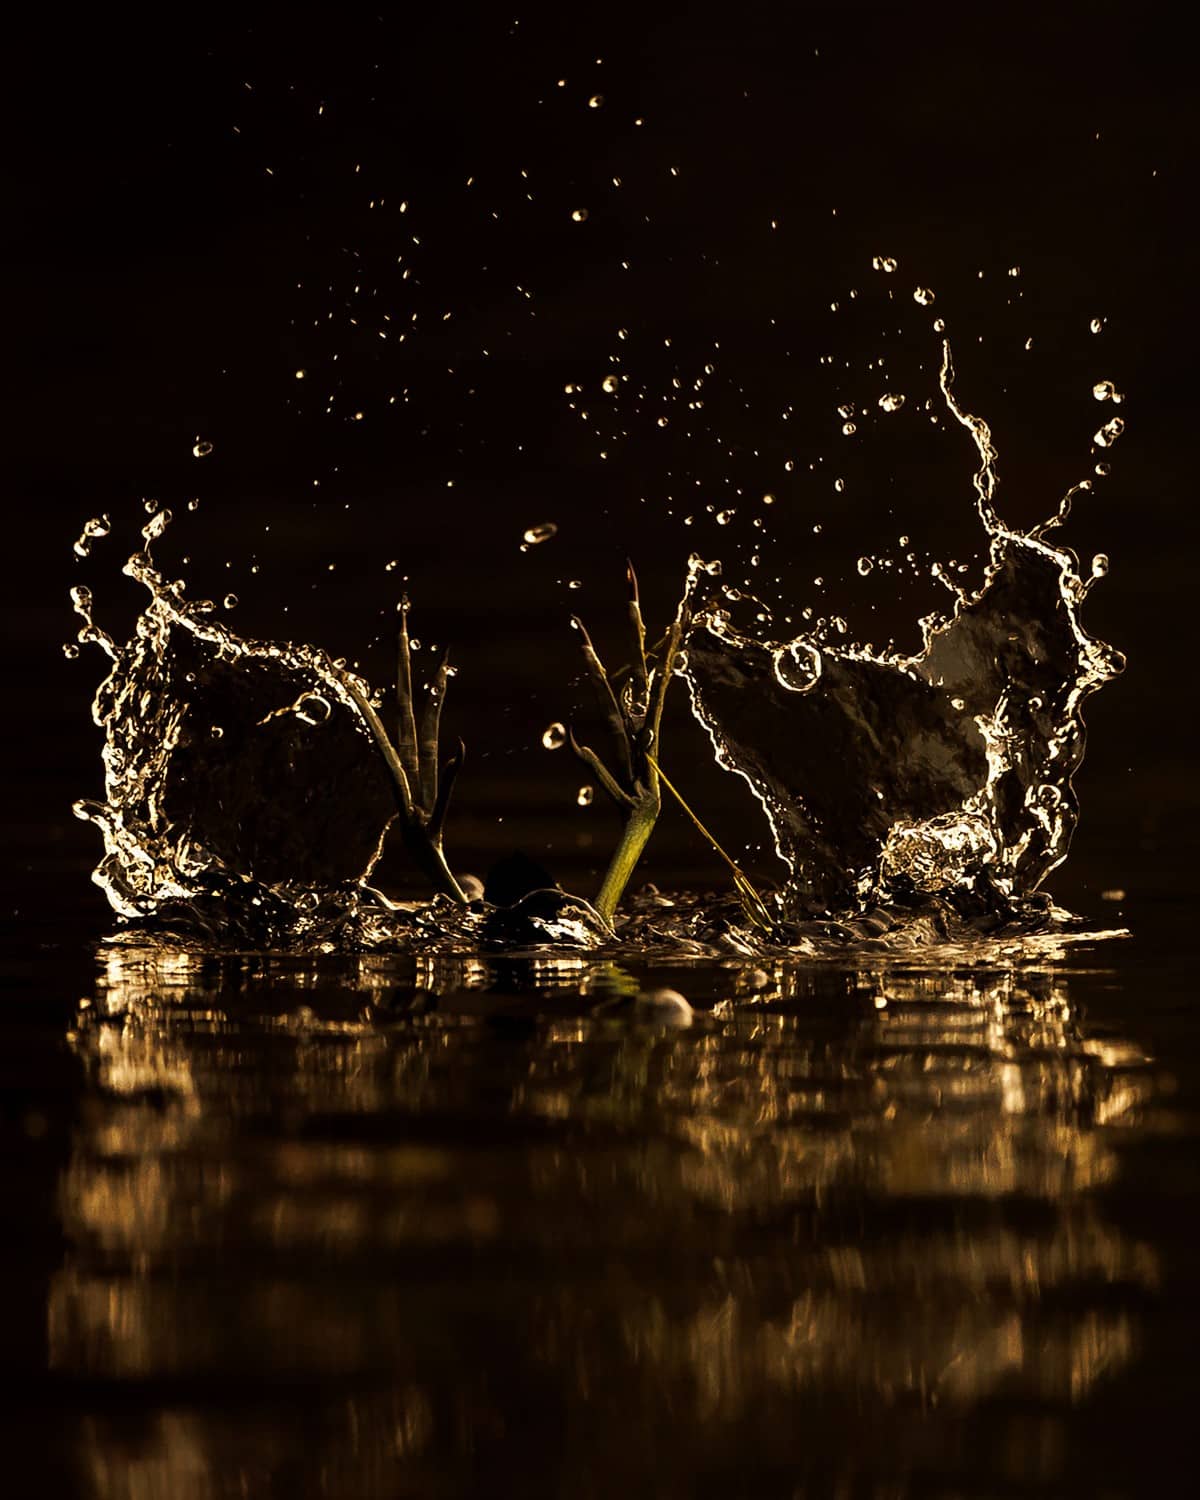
{"points": [[395, 1225]]}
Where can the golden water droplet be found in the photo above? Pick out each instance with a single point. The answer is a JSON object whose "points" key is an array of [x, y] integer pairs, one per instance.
{"points": [[883, 263], [1109, 433], [865, 565], [586, 796], [923, 296], [891, 401], [554, 736], [540, 533], [595, 101], [201, 448], [725, 516], [579, 215], [610, 383]]}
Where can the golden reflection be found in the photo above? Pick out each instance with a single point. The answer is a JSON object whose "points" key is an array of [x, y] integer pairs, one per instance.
{"points": [[430, 1191]]}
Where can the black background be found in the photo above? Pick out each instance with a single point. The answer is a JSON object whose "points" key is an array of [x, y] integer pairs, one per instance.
{"points": [[183, 230]]}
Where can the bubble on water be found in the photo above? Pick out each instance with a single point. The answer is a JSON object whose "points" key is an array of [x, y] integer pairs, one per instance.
{"points": [[1109, 433], [554, 736], [865, 565], [312, 708], [923, 296], [848, 429], [883, 263], [725, 516], [93, 530], [1097, 324], [891, 401], [595, 101], [201, 448], [230, 601], [586, 796], [1100, 565], [1105, 390], [610, 384], [540, 533], [579, 215]]}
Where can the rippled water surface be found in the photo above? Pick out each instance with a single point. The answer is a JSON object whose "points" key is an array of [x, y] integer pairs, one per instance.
{"points": [[390, 1225]]}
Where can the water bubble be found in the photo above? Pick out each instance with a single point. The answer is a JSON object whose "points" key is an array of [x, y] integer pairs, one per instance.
{"points": [[312, 708], [554, 737], [1104, 390], [230, 601], [848, 429], [923, 296], [586, 796], [97, 527], [865, 565], [883, 263], [1109, 433], [609, 383], [1097, 324], [541, 533], [891, 401], [579, 215], [1100, 565], [201, 448], [725, 516], [595, 101]]}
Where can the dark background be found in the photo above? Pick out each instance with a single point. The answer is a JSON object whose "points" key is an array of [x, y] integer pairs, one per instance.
{"points": [[198, 206]]}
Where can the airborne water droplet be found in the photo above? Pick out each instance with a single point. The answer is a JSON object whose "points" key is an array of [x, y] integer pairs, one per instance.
{"points": [[579, 215], [725, 516], [1097, 324], [1109, 433], [891, 401], [848, 429], [883, 263], [923, 296], [97, 527], [1100, 565], [586, 796], [201, 448], [554, 736], [609, 383], [1104, 390], [595, 101], [541, 533], [230, 601], [865, 565]]}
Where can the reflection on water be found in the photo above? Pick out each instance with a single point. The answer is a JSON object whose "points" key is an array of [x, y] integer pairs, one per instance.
{"points": [[399, 1225]]}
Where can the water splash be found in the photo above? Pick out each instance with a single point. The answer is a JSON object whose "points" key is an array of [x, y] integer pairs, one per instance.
{"points": [[946, 772]]}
